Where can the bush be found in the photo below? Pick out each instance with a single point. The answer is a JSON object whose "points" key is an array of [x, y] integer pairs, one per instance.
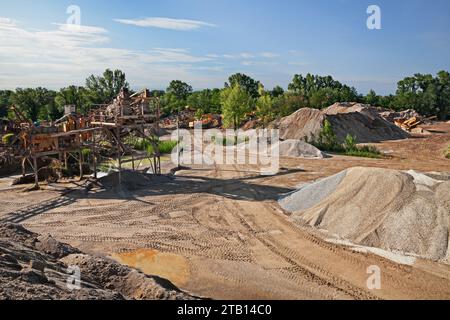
{"points": [[447, 152], [350, 143], [327, 142]]}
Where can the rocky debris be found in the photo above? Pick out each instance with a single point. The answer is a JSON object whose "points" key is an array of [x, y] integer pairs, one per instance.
{"points": [[362, 121], [408, 212], [391, 115], [299, 149], [36, 267]]}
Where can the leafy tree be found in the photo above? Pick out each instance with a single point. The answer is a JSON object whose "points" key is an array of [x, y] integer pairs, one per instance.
{"points": [[264, 107], [5, 96], [171, 104], [157, 93], [205, 101], [73, 95], [426, 94], [321, 91], [36, 104], [372, 98], [247, 84], [288, 103], [236, 102], [181, 90], [103, 89], [277, 91]]}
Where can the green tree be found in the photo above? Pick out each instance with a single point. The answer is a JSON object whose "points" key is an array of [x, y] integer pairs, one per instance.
{"points": [[247, 84], [426, 94], [171, 104], [372, 98], [36, 104], [264, 106], [277, 91], [73, 95], [103, 89], [5, 96], [236, 102], [321, 91], [205, 101], [181, 90]]}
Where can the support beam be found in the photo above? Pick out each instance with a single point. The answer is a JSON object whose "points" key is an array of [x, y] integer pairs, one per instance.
{"points": [[36, 173]]}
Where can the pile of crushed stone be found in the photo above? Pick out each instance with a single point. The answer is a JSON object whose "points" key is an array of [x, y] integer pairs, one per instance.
{"points": [[407, 212], [298, 149], [362, 121], [35, 267]]}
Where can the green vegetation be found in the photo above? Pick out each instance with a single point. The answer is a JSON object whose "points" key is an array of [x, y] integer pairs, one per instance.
{"points": [[236, 103], [165, 147], [447, 152], [7, 138], [240, 97], [327, 142]]}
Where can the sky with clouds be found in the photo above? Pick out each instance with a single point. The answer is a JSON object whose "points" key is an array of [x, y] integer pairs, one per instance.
{"points": [[202, 42]]}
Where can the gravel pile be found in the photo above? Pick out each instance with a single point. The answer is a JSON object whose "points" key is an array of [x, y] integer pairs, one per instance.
{"points": [[400, 211], [362, 121], [299, 149]]}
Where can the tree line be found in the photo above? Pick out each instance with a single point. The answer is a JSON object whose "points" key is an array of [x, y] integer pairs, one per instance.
{"points": [[240, 96]]}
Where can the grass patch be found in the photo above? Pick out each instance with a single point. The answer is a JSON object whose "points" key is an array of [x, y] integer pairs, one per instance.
{"points": [[141, 144], [165, 147]]}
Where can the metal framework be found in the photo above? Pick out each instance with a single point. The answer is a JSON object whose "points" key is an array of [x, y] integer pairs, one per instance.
{"points": [[136, 115]]}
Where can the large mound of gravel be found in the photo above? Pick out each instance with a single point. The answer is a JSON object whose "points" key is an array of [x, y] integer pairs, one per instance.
{"points": [[362, 121], [393, 210]]}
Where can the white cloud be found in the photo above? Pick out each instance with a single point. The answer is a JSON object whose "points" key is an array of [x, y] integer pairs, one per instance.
{"points": [[67, 55], [7, 22], [166, 23], [269, 55]]}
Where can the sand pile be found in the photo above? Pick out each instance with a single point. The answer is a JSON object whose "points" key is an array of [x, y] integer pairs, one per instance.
{"points": [[362, 121], [400, 211], [35, 267], [299, 149]]}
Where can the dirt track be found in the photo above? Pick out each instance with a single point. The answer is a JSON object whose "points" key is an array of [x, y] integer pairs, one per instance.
{"points": [[218, 232]]}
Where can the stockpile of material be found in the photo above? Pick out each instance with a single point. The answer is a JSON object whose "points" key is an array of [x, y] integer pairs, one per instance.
{"points": [[362, 121], [394, 210], [299, 149]]}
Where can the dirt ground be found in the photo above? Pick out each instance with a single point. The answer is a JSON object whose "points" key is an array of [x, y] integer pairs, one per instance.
{"points": [[219, 232]]}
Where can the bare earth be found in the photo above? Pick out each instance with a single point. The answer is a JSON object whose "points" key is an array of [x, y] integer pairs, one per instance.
{"points": [[218, 232]]}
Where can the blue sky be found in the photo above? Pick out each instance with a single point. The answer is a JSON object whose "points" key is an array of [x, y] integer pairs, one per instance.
{"points": [[204, 41]]}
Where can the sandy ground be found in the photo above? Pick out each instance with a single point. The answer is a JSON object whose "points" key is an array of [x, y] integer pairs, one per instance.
{"points": [[218, 231]]}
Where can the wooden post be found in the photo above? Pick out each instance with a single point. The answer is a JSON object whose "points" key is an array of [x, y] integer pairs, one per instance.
{"points": [[119, 155], [36, 173], [80, 158], [80, 161], [66, 162], [94, 158]]}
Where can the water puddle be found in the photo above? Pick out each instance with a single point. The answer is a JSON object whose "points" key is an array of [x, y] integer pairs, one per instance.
{"points": [[153, 262]]}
